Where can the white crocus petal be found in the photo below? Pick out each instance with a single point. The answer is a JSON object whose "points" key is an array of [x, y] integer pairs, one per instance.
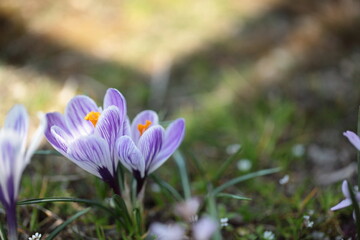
{"points": [[75, 112], [17, 120], [188, 209], [36, 139], [345, 189], [204, 228], [353, 138], [130, 156], [61, 139], [141, 118], [161, 231], [109, 127], [150, 144], [91, 153], [13, 159], [11, 162]]}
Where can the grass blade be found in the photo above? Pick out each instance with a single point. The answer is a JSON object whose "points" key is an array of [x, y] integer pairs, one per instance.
{"points": [[48, 152], [168, 188], [2, 233], [212, 209], [100, 232], [57, 230], [138, 221], [243, 178], [197, 163], [226, 164], [237, 197], [123, 211], [356, 209], [180, 161], [121, 177], [77, 200]]}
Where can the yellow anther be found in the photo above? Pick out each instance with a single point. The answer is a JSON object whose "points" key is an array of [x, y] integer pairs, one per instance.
{"points": [[142, 127], [93, 117]]}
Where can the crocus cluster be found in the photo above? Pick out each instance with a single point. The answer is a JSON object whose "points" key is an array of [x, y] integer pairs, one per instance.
{"points": [[94, 138], [97, 139], [14, 157], [355, 141]]}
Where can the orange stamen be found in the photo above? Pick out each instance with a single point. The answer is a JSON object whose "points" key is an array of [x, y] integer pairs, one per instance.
{"points": [[93, 117], [142, 127]]}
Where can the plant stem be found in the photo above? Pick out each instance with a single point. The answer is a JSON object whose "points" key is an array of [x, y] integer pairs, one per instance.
{"points": [[358, 152], [212, 209], [11, 222], [356, 209], [116, 189], [180, 161]]}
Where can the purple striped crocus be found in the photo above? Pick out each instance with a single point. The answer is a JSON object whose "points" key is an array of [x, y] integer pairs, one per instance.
{"points": [[149, 144], [86, 134], [14, 156]]}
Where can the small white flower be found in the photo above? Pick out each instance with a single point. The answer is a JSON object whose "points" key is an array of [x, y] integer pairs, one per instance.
{"points": [[284, 180], [244, 165], [36, 236], [307, 222], [224, 222], [269, 235], [233, 148], [298, 150]]}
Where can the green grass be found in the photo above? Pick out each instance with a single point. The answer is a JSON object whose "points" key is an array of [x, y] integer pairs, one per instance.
{"points": [[266, 130], [222, 104]]}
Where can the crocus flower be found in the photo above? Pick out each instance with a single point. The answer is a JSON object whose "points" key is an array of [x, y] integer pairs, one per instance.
{"points": [[188, 209], [159, 231], [86, 134], [149, 145], [353, 138], [204, 228], [347, 201], [13, 159]]}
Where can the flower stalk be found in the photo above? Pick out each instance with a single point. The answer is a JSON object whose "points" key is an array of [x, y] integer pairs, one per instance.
{"points": [[358, 152], [14, 157], [11, 222]]}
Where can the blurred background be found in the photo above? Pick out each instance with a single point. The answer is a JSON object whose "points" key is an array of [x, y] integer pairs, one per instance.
{"points": [[279, 78]]}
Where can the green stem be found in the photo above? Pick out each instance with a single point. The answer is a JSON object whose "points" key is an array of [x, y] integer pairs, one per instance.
{"points": [[358, 152], [180, 161], [356, 209], [61, 227], [212, 209], [226, 164]]}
